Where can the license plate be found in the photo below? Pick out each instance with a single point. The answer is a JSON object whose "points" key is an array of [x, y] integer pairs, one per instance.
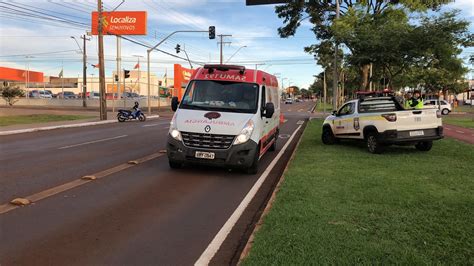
{"points": [[417, 133], [205, 155], [417, 119]]}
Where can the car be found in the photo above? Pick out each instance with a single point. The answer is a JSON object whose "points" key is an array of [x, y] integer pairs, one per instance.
{"points": [[442, 105], [289, 101], [40, 94], [229, 117], [382, 121], [298, 100], [93, 95], [66, 95]]}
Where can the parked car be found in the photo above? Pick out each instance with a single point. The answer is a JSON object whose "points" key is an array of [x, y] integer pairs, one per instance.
{"points": [[40, 94], [382, 121], [445, 106], [289, 101], [93, 95], [67, 95]]}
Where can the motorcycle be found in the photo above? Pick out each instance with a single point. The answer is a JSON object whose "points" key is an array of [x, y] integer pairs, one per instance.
{"points": [[124, 115]]}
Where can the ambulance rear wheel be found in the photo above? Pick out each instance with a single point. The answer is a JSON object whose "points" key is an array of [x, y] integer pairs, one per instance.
{"points": [[274, 145]]}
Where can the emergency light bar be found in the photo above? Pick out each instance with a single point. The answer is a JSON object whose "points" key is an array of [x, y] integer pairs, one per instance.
{"points": [[211, 68]]}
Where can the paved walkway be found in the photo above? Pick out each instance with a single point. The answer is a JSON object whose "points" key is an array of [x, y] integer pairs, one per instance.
{"points": [[460, 133]]}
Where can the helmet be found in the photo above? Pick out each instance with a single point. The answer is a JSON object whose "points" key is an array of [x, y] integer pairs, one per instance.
{"points": [[136, 103]]}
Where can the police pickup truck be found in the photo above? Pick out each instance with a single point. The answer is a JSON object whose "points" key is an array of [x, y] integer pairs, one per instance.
{"points": [[382, 121]]}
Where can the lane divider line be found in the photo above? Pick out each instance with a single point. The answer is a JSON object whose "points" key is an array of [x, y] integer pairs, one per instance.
{"points": [[7, 207], [459, 131], [91, 142], [219, 238]]}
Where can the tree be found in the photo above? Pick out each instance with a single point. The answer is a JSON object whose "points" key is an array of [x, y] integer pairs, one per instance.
{"points": [[9, 94], [368, 16]]}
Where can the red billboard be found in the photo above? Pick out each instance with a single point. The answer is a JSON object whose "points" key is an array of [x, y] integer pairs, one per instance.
{"points": [[121, 23], [181, 79], [13, 74]]}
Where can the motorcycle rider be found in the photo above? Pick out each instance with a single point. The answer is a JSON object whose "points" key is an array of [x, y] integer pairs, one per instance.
{"points": [[135, 109]]}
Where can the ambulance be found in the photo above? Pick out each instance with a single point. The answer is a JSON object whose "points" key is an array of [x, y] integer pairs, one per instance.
{"points": [[228, 116]]}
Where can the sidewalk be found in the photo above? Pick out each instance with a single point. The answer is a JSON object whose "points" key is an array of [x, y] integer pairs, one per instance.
{"points": [[5, 130], [459, 133]]}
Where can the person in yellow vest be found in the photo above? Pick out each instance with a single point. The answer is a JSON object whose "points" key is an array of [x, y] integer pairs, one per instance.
{"points": [[415, 101]]}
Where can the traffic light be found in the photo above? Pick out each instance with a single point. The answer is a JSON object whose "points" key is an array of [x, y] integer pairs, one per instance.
{"points": [[116, 78], [126, 73], [178, 48], [212, 32]]}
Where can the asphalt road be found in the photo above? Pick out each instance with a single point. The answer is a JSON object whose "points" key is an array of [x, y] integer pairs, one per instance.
{"points": [[132, 214]]}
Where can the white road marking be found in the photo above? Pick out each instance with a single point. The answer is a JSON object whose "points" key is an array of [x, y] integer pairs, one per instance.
{"points": [[300, 122], [300, 110], [447, 128], [459, 131], [285, 120], [151, 125], [216, 243], [91, 142]]}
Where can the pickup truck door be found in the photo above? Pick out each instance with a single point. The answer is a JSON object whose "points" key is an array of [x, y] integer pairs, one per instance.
{"points": [[344, 122]]}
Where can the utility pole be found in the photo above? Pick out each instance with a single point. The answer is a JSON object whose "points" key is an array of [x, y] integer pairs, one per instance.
{"points": [[335, 74], [221, 36], [84, 70], [119, 72], [103, 101], [325, 92]]}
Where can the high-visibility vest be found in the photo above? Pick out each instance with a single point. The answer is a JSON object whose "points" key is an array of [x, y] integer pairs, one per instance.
{"points": [[409, 103]]}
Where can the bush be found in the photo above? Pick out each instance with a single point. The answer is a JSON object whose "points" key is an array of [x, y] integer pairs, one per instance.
{"points": [[9, 94]]}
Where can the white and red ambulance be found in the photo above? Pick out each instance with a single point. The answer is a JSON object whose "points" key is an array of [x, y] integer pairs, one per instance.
{"points": [[228, 116]]}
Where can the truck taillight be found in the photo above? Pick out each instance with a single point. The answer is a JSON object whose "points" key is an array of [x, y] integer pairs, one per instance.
{"points": [[390, 117]]}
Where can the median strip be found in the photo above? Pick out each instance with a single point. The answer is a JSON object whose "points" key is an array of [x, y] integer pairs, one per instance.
{"points": [[23, 201]]}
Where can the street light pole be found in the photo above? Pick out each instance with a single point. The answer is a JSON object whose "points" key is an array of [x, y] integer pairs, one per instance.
{"points": [[84, 67], [103, 102], [148, 52], [235, 53]]}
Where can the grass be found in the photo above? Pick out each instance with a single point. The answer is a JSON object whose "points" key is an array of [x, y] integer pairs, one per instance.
{"points": [[464, 108], [320, 107], [467, 122], [341, 205], [38, 118]]}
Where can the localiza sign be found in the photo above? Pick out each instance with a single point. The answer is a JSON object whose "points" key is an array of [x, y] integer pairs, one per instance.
{"points": [[121, 23]]}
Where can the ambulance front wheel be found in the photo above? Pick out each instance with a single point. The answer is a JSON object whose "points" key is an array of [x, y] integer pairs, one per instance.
{"points": [[175, 165], [253, 169]]}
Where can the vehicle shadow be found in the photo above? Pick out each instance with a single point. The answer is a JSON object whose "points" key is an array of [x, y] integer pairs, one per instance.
{"points": [[357, 145]]}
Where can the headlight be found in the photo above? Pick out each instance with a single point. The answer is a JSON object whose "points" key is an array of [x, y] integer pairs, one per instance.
{"points": [[173, 131], [245, 134], [176, 134]]}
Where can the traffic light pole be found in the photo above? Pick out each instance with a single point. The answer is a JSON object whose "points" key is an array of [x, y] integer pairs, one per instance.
{"points": [[148, 52]]}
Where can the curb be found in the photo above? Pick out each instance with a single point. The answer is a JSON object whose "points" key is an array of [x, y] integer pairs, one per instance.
{"points": [[29, 130]]}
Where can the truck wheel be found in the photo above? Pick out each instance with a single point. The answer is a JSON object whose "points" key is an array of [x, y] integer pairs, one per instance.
{"points": [[424, 145], [445, 111], [327, 137], [253, 169], [373, 143], [274, 145], [175, 165]]}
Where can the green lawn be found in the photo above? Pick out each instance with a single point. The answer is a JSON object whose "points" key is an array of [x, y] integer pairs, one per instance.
{"points": [[341, 205], [320, 107], [467, 122], [464, 108], [39, 118]]}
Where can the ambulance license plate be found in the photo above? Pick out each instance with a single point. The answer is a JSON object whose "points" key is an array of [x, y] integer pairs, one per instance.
{"points": [[205, 155], [417, 133]]}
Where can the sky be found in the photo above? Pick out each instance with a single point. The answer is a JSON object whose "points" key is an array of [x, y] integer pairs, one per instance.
{"points": [[47, 46]]}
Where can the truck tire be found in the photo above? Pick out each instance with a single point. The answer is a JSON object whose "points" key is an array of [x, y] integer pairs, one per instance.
{"points": [[445, 111], [175, 165], [327, 137], [373, 143], [274, 145], [253, 169], [424, 145]]}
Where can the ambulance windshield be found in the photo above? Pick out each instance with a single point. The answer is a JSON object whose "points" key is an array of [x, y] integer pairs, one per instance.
{"points": [[221, 96]]}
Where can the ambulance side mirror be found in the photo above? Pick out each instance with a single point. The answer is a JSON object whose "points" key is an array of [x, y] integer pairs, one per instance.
{"points": [[269, 110], [174, 103]]}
